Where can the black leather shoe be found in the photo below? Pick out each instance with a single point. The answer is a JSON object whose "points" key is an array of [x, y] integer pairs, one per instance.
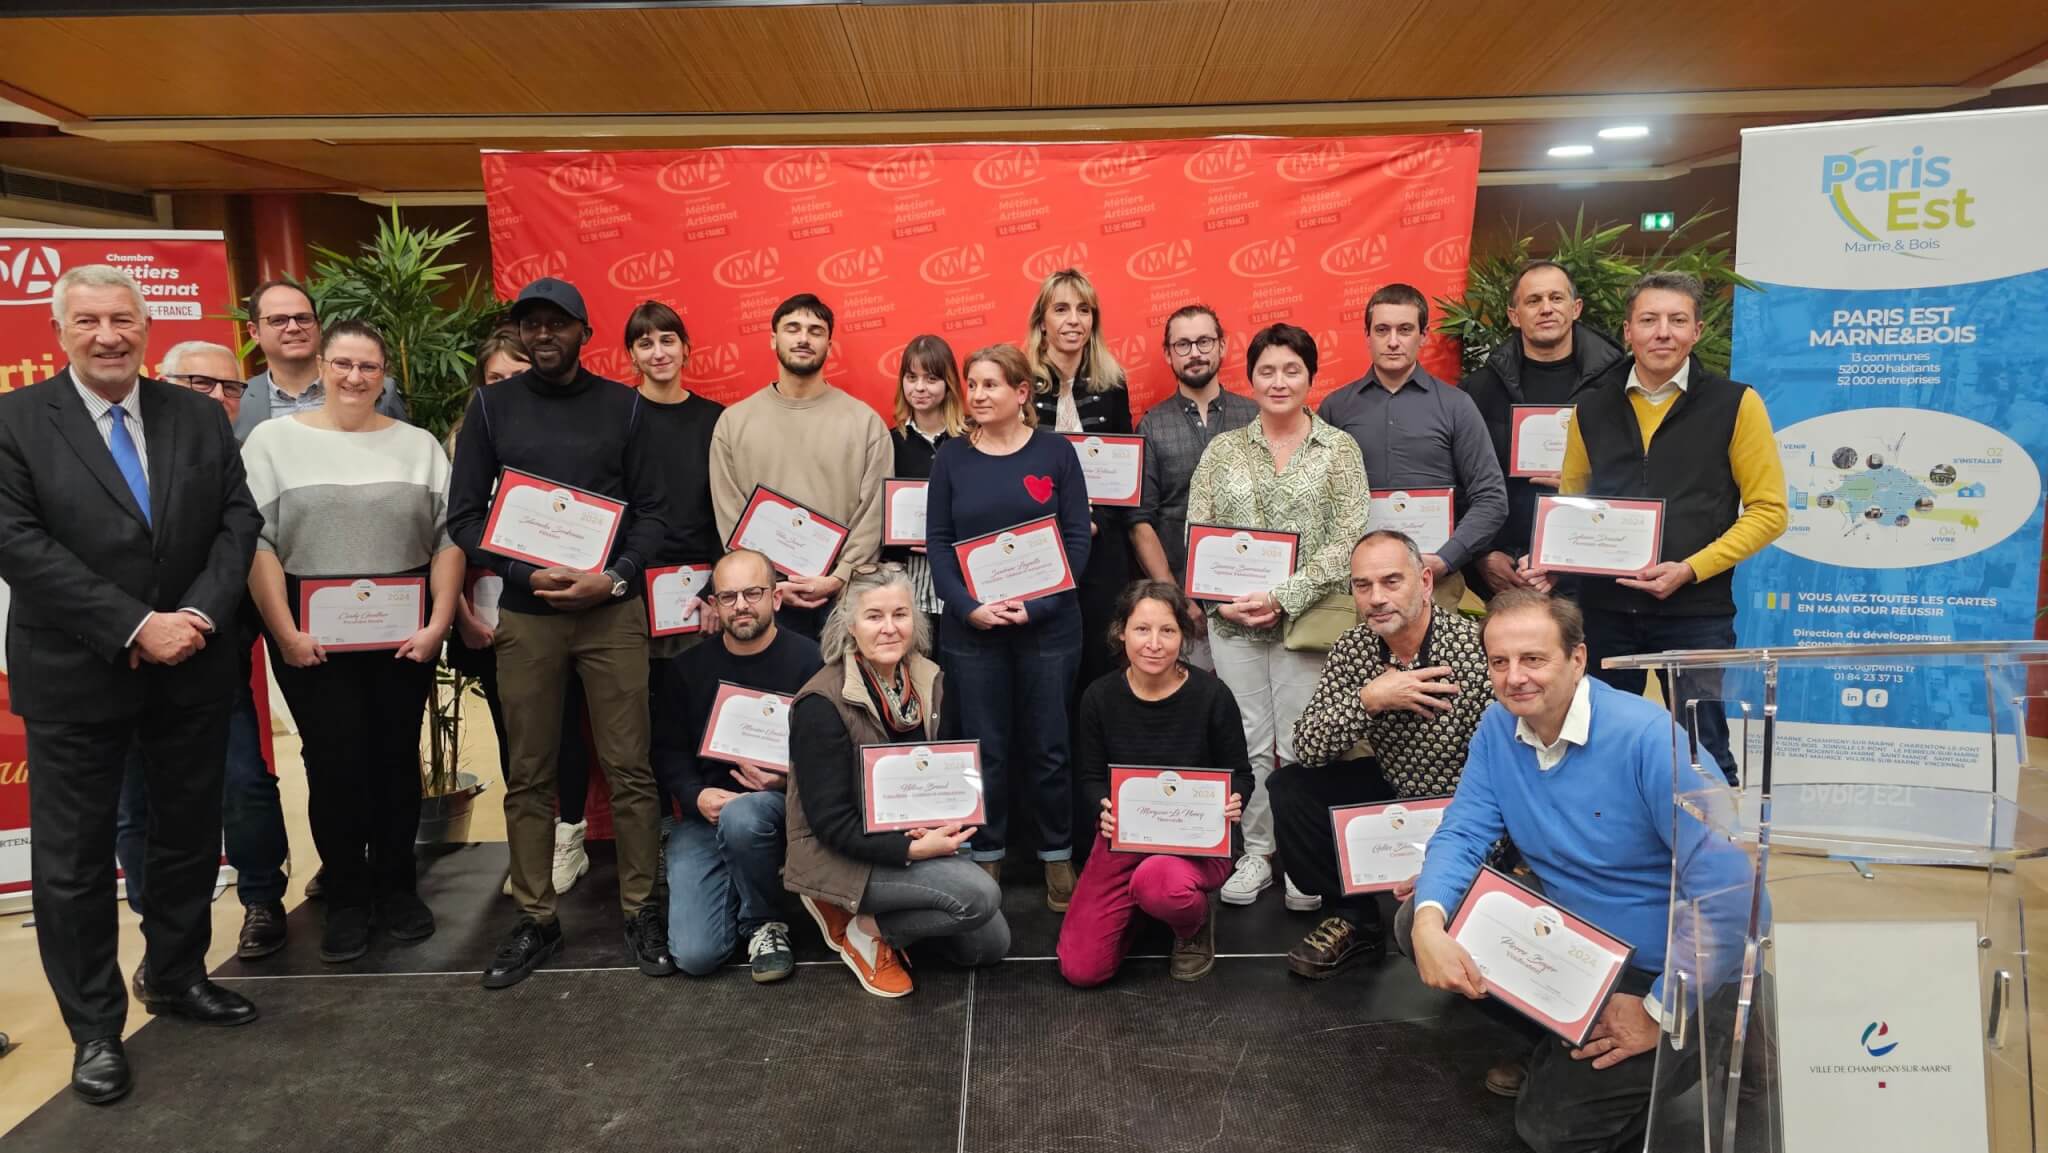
{"points": [[316, 886], [99, 1071], [205, 1002], [525, 949], [647, 937], [139, 984], [262, 930]]}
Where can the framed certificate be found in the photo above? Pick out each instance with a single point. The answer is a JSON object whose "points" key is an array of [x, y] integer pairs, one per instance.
{"points": [[1423, 513], [921, 786], [796, 540], [1177, 811], [747, 725], [1596, 535], [1114, 467], [362, 613], [903, 511], [1380, 846], [1536, 436], [551, 525], [484, 589], [672, 591], [1226, 563], [1557, 969], [1019, 563]]}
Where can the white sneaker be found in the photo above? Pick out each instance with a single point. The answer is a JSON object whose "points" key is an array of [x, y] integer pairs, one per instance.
{"points": [[1253, 875], [571, 862], [1300, 902]]}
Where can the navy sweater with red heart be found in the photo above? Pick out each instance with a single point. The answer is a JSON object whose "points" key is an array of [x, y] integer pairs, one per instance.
{"points": [[973, 494]]}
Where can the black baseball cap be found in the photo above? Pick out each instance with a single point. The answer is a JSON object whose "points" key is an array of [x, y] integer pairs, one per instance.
{"points": [[559, 293]]}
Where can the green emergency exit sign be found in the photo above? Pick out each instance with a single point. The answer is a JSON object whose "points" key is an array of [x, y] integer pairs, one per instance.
{"points": [[1658, 221]]}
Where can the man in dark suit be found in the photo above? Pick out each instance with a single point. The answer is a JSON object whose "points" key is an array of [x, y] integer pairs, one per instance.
{"points": [[125, 537]]}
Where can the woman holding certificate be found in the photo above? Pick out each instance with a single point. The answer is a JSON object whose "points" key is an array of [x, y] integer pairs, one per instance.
{"points": [[929, 412], [1286, 472], [875, 893], [1007, 529], [1156, 710], [357, 580]]}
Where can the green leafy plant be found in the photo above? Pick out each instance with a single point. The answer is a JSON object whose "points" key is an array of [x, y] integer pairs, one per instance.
{"points": [[1603, 269]]}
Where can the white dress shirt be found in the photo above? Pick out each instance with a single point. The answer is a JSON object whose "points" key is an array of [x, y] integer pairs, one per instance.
{"points": [[1578, 722], [102, 412], [1667, 390]]}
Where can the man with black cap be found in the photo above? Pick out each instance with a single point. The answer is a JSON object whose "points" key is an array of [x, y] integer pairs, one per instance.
{"points": [[562, 423]]}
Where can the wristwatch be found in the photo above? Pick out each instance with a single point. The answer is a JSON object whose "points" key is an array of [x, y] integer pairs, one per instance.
{"points": [[618, 584]]}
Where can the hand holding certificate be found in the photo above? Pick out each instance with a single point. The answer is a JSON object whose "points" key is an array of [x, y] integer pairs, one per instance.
{"points": [[1226, 563], [1178, 811], [926, 786], [358, 615], [551, 525], [1016, 564], [1606, 537], [747, 726], [1423, 513], [1536, 439], [1557, 969], [673, 604], [1113, 466], [795, 539], [1381, 846]]}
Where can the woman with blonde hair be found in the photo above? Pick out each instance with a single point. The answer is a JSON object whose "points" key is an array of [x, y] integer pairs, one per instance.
{"points": [[929, 411]]}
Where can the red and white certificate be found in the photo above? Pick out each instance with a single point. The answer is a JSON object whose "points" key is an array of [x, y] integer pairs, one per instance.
{"points": [[1596, 535], [1557, 969], [903, 504], [355, 614], [551, 525], [921, 786], [1177, 811], [1019, 563], [672, 592], [1226, 563], [747, 725], [1113, 466], [484, 589], [1423, 513], [1380, 846], [1536, 436], [795, 539]]}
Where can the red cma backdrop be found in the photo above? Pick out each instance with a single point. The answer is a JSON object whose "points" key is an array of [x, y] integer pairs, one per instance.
{"points": [[955, 239]]}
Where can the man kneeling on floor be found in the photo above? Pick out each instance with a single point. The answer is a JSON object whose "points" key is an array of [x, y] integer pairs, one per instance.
{"points": [[1580, 776], [725, 851], [1410, 680]]}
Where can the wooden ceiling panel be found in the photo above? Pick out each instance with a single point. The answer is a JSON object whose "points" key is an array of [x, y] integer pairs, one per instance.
{"points": [[956, 56], [756, 59], [423, 166], [1312, 51], [157, 167], [1147, 52]]}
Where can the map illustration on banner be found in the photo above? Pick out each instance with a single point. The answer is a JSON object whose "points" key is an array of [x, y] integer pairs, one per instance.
{"points": [[955, 240]]}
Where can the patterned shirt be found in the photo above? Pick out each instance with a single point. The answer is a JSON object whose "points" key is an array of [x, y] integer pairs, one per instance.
{"points": [[1420, 756], [1175, 435], [1320, 496]]}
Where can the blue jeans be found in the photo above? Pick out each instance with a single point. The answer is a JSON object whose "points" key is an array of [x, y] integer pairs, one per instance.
{"points": [[1011, 686], [1616, 634], [252, 819], [724, 880]]}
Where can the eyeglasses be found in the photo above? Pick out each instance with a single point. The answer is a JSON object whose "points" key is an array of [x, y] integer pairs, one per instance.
{"points": [[752, 594], [198, 383], [1200, 344], [370, 369], [284, 320], [876, 568]]}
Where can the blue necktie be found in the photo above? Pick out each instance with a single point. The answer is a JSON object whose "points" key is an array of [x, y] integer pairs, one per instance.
{"points": [[129, 461]]}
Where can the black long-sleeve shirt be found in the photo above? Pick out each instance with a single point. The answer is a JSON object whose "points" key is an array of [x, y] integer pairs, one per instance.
{"points": [[588, 434], [1198, 727], [828, 777], [683, 707], [682, 437]]}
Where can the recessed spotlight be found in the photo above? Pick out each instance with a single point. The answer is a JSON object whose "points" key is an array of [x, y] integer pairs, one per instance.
{"points": [[1565, 151], [1625, 132]]}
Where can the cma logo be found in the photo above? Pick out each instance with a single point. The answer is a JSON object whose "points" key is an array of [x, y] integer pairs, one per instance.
{"points": [[591, 175], [1356, 255], [1418, 160], [853, 268], [1893, 192], [1448, 255], [695, 173], [1117, 167], [1009, 168], [1054, 257], [714, 363], [887, 363], [1263, 258], [497, 177], [1316, 162], [1876, 1031], [749, 268], [643, 271], [960, 264], [1131, 349], [801, 173], [531, 267], [1218, 163], [28, 273], [1329, 345], [611, 363], [1162, 261], [904, 171]]}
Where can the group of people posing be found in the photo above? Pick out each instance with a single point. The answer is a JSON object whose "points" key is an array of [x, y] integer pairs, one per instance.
{"points": [[1355, 679]]}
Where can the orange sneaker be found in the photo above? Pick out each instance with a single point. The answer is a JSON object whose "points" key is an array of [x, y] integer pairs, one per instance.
{"points": [[832, 921], [880, 969]]}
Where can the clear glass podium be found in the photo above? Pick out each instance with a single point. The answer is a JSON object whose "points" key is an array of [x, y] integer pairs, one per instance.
{"points": [[1846, 966]]}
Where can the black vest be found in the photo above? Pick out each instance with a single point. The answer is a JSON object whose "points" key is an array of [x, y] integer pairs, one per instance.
{"points": [[1686, 467]]}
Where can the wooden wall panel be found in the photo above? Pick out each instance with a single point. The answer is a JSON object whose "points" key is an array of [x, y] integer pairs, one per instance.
{"points": [[965, 56], [1310, 52], [1143, 52]]}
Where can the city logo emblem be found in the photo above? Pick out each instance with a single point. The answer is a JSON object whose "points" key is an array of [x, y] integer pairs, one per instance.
{"points": [[1878, 196], [1877, 1031]]}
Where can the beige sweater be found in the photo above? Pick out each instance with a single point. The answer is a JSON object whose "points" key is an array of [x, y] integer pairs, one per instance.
{"points": [[830, 453]]}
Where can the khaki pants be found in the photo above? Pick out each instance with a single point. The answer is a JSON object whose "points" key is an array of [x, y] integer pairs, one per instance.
{"points": [[607, 646]]}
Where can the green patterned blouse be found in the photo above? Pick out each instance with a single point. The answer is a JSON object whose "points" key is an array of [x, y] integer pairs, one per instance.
{"points": [[1322, 495]]}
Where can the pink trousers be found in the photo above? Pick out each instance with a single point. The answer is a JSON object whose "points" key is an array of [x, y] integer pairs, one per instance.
{"points": [[1114, 886]]}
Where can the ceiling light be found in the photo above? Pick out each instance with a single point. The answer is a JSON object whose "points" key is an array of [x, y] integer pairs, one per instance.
{"points": [[1625, 132], [1567, 151]]}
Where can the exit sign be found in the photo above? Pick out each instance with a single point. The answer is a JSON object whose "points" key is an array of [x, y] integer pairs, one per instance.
{"points": [[1658, 221]]}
